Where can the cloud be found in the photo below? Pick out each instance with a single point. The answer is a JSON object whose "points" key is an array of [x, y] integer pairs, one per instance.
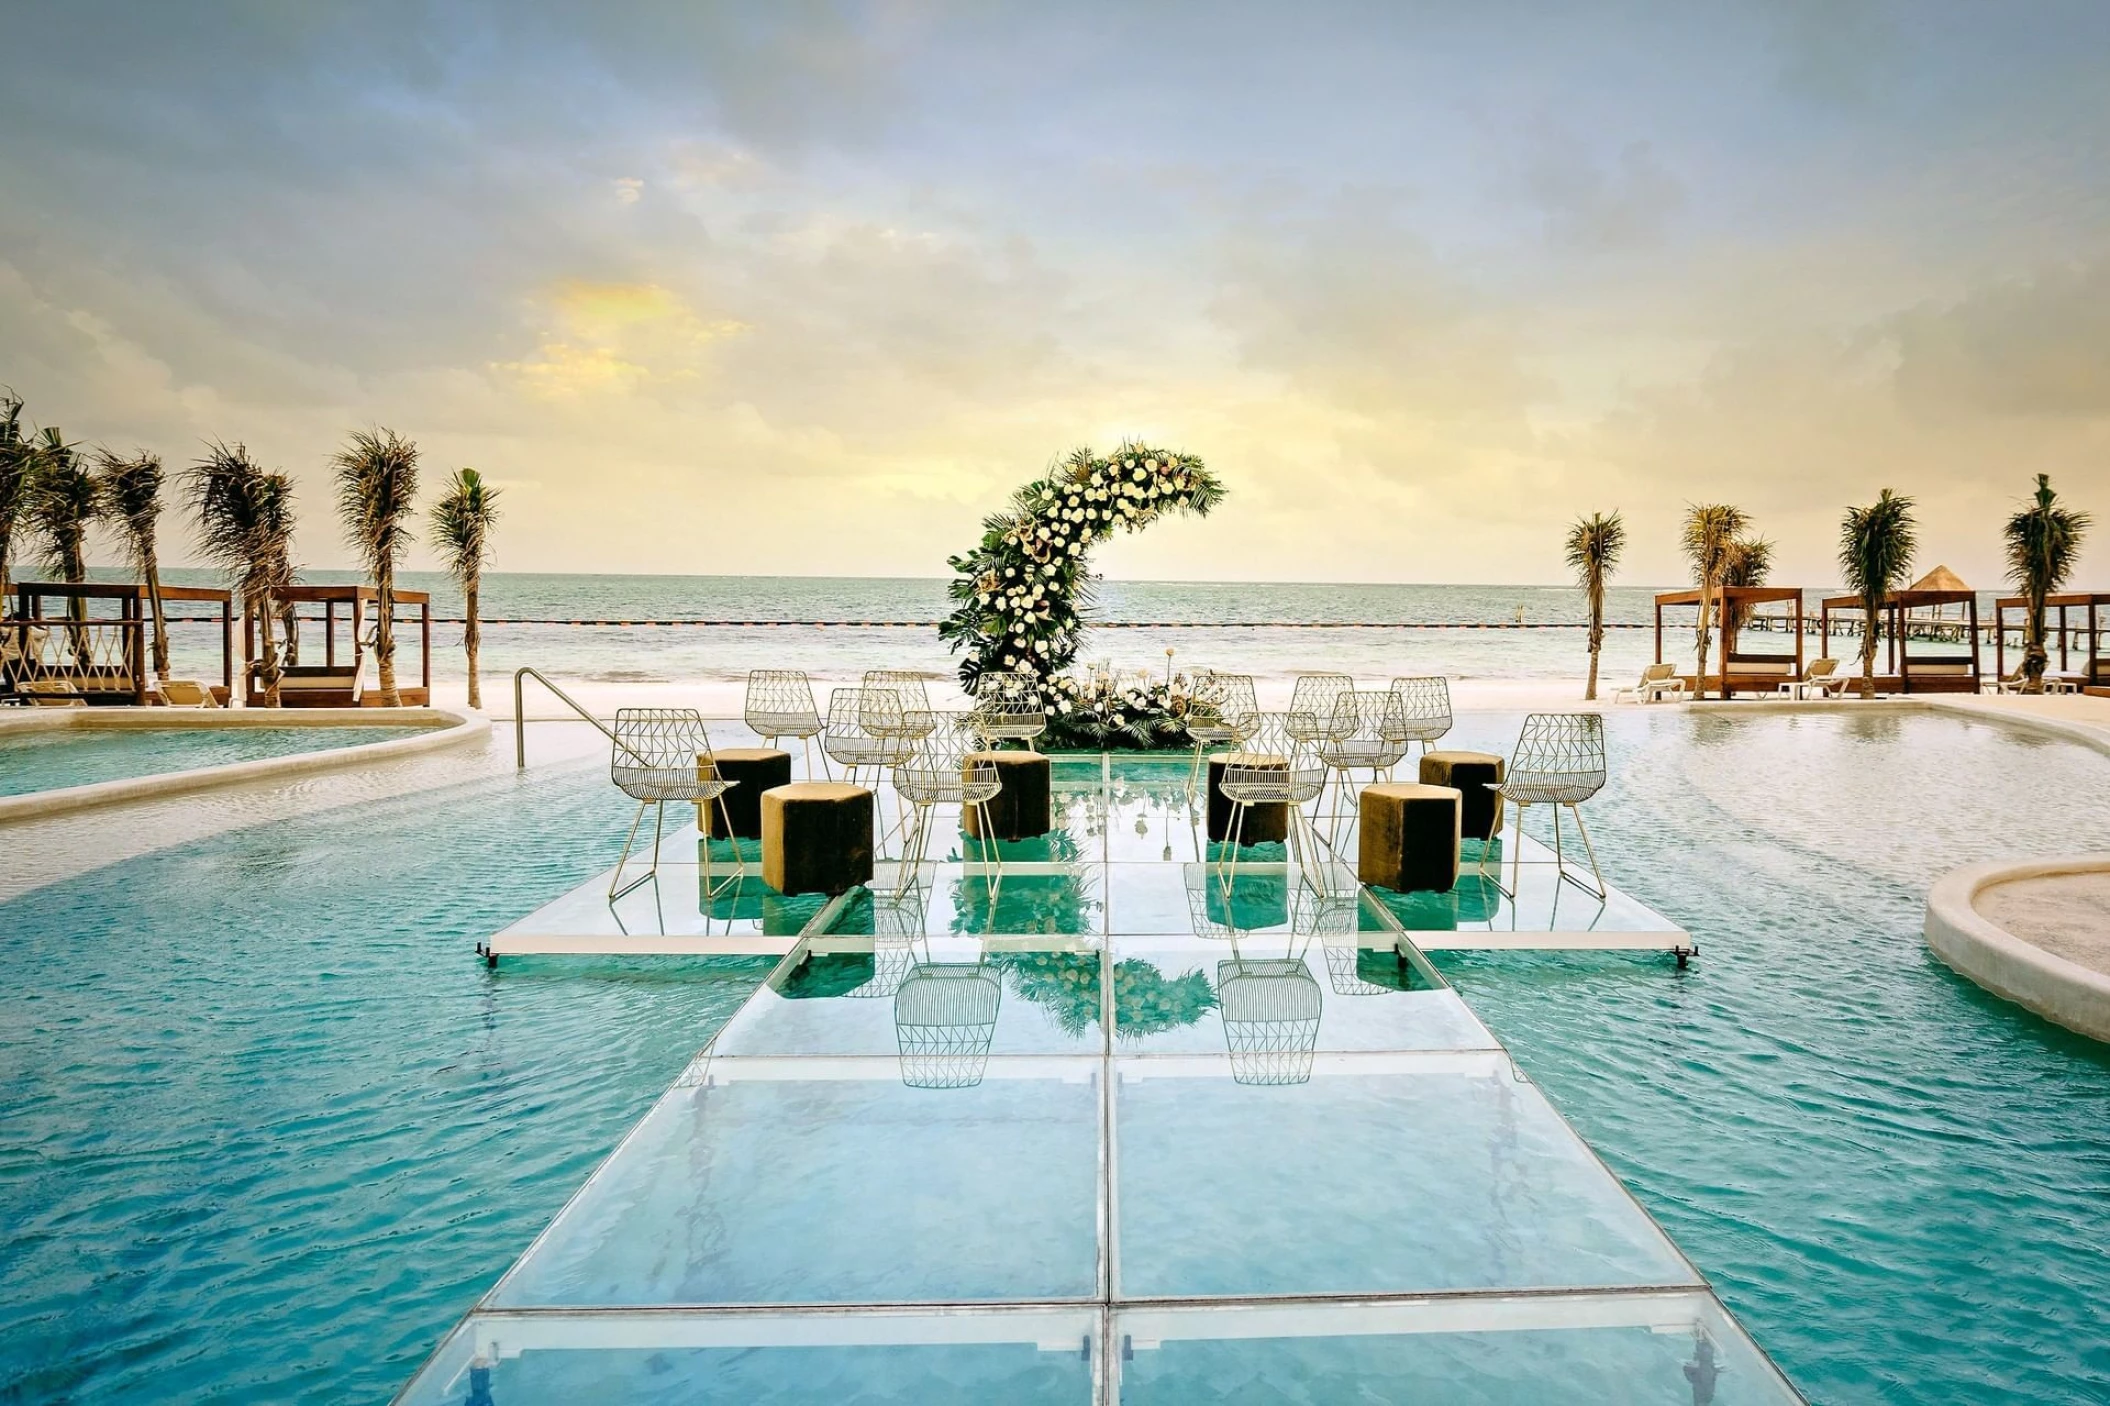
{"points": [[627, 189], [1589, 205], [2026, 346]]}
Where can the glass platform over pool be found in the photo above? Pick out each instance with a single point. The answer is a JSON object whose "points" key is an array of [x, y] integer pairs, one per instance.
{"points": [[1098, 1128]]}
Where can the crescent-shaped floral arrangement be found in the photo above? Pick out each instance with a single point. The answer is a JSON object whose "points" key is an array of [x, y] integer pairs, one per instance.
{"points": [[1022, 598]]}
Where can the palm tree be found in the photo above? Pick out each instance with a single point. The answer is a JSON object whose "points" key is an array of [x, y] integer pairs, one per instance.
{"points": [[2043, 541], [132, 499], [377, 482], [1876, 544], [18, 479], [245, 527], [461, 529], [1747, 561], [67, 503], [1711, 531], [1594, 545]]}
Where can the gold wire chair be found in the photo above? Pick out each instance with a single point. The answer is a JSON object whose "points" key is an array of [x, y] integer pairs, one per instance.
{"points": [[779, 703], [660, 755]]}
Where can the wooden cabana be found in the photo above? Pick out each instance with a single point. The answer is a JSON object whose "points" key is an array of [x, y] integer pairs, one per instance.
{"points": [[1738, 670], [2059, 630], [1947, 661], [336, 682], [91, 642]]}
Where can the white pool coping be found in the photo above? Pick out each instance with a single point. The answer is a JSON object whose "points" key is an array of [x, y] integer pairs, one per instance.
{"points": [[2062, 991], [439, 729]]}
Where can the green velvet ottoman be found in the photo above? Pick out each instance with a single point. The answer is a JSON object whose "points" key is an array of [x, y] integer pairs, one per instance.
{"points": [[1022, 809], [816, 837], [1470, 773], [753, 770], [1408, 838]]}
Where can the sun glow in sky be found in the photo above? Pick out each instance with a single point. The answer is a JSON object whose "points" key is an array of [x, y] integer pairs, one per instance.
{"points": [[809, 289]]}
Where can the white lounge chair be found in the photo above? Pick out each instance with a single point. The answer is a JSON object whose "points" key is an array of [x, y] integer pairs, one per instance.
{"points": [[1658, 683], [1821, 679]]}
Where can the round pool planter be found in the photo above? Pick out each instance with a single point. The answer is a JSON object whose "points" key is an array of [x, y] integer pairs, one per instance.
{"points": [[439, 729], [2063, 992]]}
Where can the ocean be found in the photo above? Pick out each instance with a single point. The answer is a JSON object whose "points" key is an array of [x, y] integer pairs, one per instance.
{"points": [[835, 628]]}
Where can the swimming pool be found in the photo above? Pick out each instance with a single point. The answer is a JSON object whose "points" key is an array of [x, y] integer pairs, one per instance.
{"points": [[277, 1129], [45, 759]]}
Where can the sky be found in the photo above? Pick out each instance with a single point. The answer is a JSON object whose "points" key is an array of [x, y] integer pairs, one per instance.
{"points": [[809, 289]]}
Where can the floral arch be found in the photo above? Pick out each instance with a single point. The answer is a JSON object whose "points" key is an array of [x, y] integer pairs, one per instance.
{"points": [[1023, 596]]}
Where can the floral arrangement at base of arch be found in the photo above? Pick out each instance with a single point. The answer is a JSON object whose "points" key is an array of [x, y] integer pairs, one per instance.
{"points": [[1021, 598]]}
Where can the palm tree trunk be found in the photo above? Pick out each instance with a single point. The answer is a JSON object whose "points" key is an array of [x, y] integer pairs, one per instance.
{"points": [[289, 616], [2035, 657], [1699, 677], [385, 633], [1868, 665], [472, 641], [267, 651], [1596, 646], [161, 623]]}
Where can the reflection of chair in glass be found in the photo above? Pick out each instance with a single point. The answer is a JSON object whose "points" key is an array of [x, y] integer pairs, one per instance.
{"points": [[1335, 918], [1270, 1009], [1559, 761], [1313, 703], [898, 919], [1008, 708], [780, 704], [945, 1021], [1258, 898], [1277, 765], [945, 769], [1223, 711], [1426, 705], [1368, 733], [661, 755], [915, 717]]}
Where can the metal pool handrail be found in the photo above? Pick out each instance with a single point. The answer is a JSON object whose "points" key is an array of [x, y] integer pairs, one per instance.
{"points": [[520, 713]]}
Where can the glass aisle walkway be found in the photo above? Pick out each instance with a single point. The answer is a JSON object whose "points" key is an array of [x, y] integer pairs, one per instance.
{"points": [[1097, 1129]]}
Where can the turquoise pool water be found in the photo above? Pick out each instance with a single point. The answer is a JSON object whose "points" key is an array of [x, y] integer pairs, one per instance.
{"points": [[270, 1131], [270, 1125], [69, 756]]}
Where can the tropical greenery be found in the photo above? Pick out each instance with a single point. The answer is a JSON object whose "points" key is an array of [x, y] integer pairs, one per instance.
{"points": [[2042, 540], [131, 489], [461, 531], [1022, 597], [245, 528], [377, 486], [67, 502], [18, 464], [1710, 537], [1593, 549], [1876, 546]]}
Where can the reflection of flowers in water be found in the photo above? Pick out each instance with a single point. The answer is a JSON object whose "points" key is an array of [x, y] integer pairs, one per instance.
{"points": [[1146, 1002]]}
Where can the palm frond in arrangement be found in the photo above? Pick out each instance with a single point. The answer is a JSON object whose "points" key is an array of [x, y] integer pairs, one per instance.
{"points": [[1593, 549], [2042, 540], [245, 528], [461, 531], [131, 490], [18, 477], [1711, 530], [377, 487], [1876, 546]]}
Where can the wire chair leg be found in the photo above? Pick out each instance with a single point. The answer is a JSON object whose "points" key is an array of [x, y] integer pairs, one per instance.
{"points": [[616, 888], [1591, 851], [710, 889]]}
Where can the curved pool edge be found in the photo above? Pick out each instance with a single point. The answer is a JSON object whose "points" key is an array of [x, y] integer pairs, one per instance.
{"points": [[440, 729], [2063, 992]]}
